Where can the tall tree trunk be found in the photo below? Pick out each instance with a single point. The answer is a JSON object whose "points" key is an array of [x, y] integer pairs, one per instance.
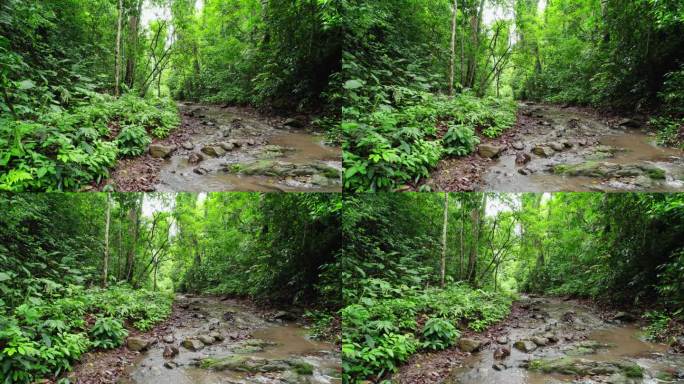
{"points": [[472, 260], [133, 37], [133, 234], [106, 240], [117, 53], [444, 237], [452, 62]]}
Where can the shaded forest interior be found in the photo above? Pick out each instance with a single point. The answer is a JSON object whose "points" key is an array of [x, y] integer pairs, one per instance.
{"points": [[86, 83], [422, 269], [427, 80], [78, 270]]}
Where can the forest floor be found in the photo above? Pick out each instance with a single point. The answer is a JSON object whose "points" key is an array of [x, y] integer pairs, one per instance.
{"points": [[224, 148], [557, 337], [560, 148], [210, 340]]}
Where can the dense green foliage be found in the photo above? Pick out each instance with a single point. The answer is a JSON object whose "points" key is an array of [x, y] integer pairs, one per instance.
{"points": [[397, 123], [66, 288], [58, 129], [61, 62], [389, 271], [625, 249], [267, 53], [277, 247]]}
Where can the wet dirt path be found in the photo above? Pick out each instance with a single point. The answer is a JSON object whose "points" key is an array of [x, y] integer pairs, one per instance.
{"points": [[569, 149], [235, 149], [209, 340], [548, 338]]}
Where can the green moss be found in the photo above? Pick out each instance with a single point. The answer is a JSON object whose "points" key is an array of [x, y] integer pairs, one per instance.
{"points": [[633, 370], [302, 367], [655, 173]]}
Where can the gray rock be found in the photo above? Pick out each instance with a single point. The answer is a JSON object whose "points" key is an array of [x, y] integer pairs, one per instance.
{"points": [[502, 353], [192, 344], [499, 367], [189, 145], [160, 151], [525, 346], [217, 336], [206, 339], [630, 123], [228, 145], [518, 145], [200, 171], [489, 151], [170, 364], [168, 339], [170, 351], [524, 171], [469, 345], [540, 341], [558, 147], [138, 343], [543, 151], [284, 315], [624, 316], [522, 158], [295, 122], [502, 340], [195, 158], [213, 150]]}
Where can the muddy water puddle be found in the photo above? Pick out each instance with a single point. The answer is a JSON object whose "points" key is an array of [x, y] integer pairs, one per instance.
{"points": [[622, 159], [268, 352], [613, 343], [249, 153]]}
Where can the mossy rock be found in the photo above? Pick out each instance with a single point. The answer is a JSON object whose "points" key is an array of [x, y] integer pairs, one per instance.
{"points": [[583, 367], [250, 364], [587, 347]]}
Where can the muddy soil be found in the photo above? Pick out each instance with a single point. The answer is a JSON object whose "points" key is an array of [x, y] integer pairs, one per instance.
{"points": [[235, 149], [567, 149], [265, 347], [560, 336]]}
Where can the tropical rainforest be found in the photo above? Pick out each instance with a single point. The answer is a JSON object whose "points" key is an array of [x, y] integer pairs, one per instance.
{"points": [[81, 272], [431, 278], [427, 81], [84, 84]]}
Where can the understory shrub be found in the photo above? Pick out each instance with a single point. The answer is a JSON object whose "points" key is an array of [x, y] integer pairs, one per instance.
{"points": [[381, 330], [64, 150], [398, 141], [40, 339]]}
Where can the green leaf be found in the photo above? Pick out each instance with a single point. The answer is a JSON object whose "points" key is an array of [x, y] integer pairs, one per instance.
{"points": [[26, 84], [4, 276], [353, 84]]}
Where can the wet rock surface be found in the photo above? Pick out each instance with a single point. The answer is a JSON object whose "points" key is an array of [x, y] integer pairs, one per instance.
{"points": [[562, 341], [228, 342], [221, 139], [569, 149]]}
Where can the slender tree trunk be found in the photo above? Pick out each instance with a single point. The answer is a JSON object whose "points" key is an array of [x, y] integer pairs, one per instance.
{"points": [[472, 260], [460, 269], [133, 37], [452, 62], [117, 54], [106, 240], [133, 234], [444, 236]]}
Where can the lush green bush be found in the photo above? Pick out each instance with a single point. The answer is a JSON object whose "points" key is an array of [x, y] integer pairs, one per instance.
{"points": [[64, 150], [398, 143], [41, 338], [107, 332], [381, 329], [439, 333]]}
